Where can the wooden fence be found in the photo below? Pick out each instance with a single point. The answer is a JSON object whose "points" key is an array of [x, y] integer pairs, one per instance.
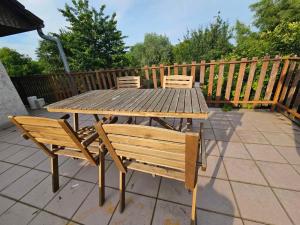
{"points": [[267, 82]]}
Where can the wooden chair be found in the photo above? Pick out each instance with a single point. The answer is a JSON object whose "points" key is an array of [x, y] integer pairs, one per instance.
{"points": [[129, 82], [177, 81], [152, 150], [56, 137], [174, 81]]}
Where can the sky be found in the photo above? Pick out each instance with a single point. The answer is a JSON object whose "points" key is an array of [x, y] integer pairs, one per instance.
{"points": [[135, 18]]}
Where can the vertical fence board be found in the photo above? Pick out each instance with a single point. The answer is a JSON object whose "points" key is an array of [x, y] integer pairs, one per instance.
{"points": [[280, 82], [202, 72], [161, 73], [272, 79], [293, 87], [211, 80], [184, 69], [175, 69], [250, 78], [287, 81], [154, 76], [240, 79], [261, 78], [220, 80], [193, 71], [229, 80]]}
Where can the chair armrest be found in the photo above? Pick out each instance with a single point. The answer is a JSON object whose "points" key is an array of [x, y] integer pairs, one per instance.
{"points": [[65, 117], [91, 138]]}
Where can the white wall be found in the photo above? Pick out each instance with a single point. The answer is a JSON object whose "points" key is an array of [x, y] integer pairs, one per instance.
{"points": [[10, 101]]}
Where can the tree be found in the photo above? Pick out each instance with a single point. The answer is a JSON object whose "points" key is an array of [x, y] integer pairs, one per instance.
{"points": [[249, 43], [91, 41], [212, 42], [155, 49], [270, 13], [17, 64]]}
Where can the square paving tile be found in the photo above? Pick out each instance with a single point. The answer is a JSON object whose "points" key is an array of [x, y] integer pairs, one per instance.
{"points": [[292, 154], [5, 203], [208, 134], [297, 168], [90, 172], [18, 214], [11, 175], [220, 124], [46, 165], [291, 202], [68, 200], [45, 218], [280, 175], [233, 149], [168, 213], [175, 191], [215, 169], [226, 135], [4, 166], [267, 126], [210, 218], [280, 139], [34, 159], [212, 148], [90, 213], [143, 183], [258, 203], [216, 195], [24, 184], [11, 150], [42, 193], [138, 209], [252, 137], [247, 222], [71, 167], [242, 125], [4, 145], [243, 170], [265, 153], [112, 176], [21, 155]]}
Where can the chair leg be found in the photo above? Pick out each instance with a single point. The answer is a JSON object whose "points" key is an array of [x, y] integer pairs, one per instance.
{"points": [[194, 210], [55, 174], [101, 178], [122, 192]]}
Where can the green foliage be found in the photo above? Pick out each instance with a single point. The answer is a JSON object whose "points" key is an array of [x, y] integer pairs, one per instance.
{"points": [[270, 13], [227, 107], [212, 42], [17, 64], [91, 41], [155, 49]]}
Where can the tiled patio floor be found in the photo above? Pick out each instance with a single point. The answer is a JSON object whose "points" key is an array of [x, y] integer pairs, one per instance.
{"points": [[253, 178]]}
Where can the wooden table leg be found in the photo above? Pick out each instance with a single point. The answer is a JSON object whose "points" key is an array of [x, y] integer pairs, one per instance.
{"points": [[203, 149], [75, 121]]}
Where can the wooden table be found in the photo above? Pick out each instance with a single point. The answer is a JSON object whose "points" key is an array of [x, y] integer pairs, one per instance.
{"points": [[155, 103], [174, 103]]}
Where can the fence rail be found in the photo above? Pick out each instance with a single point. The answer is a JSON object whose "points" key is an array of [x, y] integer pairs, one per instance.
{"points": [[247, 82]]}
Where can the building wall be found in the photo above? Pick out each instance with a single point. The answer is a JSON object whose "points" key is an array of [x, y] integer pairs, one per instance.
{"points": [[10, 101]]}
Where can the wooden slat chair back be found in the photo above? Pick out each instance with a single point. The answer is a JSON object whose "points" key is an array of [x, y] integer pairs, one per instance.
{"points": [[177, 81], [129, 82], [63, 140], [152, 150]]}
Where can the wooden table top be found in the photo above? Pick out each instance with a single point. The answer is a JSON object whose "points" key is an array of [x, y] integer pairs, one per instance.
{"points": [[175, 103]]}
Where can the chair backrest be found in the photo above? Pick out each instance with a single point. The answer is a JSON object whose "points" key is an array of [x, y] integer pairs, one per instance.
{"points": [[55, 132], [178, 81], [129, 82], [157, 147]]}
